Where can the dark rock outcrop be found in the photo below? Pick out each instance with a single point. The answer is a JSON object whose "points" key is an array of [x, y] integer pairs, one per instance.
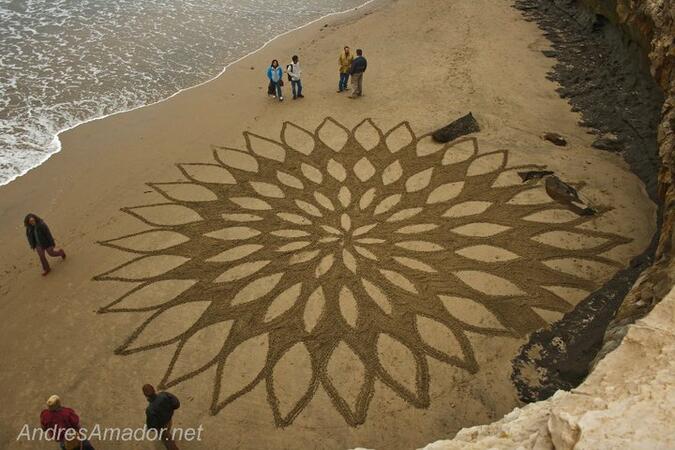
{"points": [[607, 50], [609, 143], [460, 127], [556, 139]]}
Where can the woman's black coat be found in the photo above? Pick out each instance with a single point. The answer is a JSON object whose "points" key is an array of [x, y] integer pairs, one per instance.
{"points": [[44, 235]]}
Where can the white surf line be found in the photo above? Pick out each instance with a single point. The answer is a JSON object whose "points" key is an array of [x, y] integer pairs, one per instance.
{"points": [[56, 142]]}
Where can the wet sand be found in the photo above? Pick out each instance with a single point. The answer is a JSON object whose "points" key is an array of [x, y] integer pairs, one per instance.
{"points": [[435, 370]]}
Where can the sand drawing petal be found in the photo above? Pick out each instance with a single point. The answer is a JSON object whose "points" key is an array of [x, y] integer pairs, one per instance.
{"points": [[297, 138], [392, 173], [419, 181], [348, 306], [289, 180], [364, 169], [487, 253], [150, 296], [267, 189], [487, 283], [167, 214], [144, 268], [427, 146], [470, 311], [345, 378], [242, 369], [487, 163], [336, 170], [284, 301], [165, 326], [185, 192], [207, 173], [399, 137], [460, 152], [264, 147], [344, 196], [399, 366], [148, 241], [367, 134], [314, 309], [236, 159], [438, 336], [332, 134], [470, 208], [378, 296], [481, 229], [292, 384], [257, 289], [198, 352]]}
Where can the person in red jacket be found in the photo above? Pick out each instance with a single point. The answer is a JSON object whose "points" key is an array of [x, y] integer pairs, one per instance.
{"points": [[56, 420]]}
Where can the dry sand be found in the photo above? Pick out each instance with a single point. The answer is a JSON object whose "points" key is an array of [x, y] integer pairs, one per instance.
{"points": [[398, 366]]}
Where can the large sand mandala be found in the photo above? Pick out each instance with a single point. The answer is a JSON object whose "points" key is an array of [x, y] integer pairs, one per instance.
{"points": [[346, 257]]}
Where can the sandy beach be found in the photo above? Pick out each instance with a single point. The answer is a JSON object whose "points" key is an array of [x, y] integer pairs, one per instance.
{"points": [[412, 334]]}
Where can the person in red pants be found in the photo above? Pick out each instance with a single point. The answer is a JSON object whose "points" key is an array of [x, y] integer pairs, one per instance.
{"points": [[40, 239]]}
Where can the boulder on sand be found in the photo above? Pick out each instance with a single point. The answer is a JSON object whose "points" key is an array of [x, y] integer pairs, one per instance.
{"points": [[534, 174], [559, 191], [608, 142], [556, 139], [460, 127], [566, 195]]}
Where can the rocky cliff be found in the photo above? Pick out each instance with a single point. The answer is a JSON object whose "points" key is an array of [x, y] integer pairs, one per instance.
{"points": [[627, 401], [652, 23]]}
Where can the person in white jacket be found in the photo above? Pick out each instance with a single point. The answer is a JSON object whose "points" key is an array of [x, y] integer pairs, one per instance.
{"points": [[294, 76]]}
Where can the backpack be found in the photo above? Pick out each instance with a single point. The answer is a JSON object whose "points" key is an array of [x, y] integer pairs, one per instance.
{"points": [[289, 69]]}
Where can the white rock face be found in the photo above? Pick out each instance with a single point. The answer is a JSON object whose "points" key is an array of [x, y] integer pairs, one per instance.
{"points": [[627, 402]]}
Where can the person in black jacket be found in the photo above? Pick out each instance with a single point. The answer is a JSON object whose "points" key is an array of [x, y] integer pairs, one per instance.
{"points": [[40, 239], [357, 70], [159, 413]]}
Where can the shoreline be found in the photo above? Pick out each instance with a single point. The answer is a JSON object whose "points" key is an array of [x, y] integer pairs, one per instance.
{"points": [[56, 141]]}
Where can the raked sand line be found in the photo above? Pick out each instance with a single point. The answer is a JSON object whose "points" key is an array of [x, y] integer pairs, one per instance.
{"points": [[336, 258]]}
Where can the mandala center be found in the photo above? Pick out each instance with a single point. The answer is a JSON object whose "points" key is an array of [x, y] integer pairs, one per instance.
{"points": [[344, 239]]}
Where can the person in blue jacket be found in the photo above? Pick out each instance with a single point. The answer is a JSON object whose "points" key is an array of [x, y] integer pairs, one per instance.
{"points": [[275, 75]]}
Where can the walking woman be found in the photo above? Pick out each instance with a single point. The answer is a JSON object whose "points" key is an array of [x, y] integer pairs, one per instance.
{"points": [[40, 239], [275, 75]]}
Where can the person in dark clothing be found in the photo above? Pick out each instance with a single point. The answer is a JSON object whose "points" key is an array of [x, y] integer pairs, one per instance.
{"points": [[356, 71], [159, 413], [40, 239]]}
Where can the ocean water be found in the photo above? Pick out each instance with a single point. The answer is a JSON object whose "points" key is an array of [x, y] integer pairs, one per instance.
{"points": [[64, 62]]}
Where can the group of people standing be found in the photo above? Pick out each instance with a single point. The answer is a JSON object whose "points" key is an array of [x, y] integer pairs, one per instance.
{"points": [[353, 67], [276, 76], [350, 66]]}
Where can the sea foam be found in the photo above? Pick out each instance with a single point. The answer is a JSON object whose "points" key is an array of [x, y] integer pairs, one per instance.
{"points": [[63, 63]]}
